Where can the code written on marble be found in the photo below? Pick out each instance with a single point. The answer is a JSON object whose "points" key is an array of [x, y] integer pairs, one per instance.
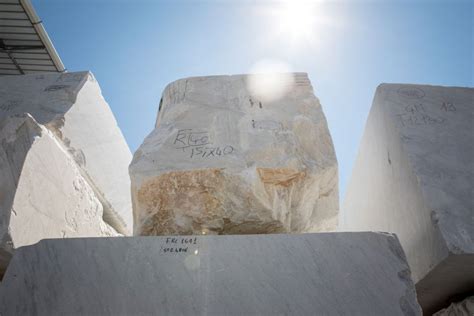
{"points": [[175, 245]]}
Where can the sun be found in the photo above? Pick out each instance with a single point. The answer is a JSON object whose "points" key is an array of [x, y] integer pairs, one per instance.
{"points": [[296, 19]]}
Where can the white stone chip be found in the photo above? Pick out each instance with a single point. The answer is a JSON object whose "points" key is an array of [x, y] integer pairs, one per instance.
{"points": [[42, 192], [71, 105], [223, 161]]}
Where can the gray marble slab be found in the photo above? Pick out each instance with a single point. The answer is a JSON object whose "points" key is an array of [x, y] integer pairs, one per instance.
{"points": [[309, 274]]}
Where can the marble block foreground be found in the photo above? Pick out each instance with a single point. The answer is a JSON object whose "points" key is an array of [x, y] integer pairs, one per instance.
{"points": [[414, 176], [71, 106], [42, 192], [224, 160], [310, 274]]}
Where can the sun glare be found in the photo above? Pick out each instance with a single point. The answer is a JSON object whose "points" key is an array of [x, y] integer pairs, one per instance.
{"points": [[297, 19]]}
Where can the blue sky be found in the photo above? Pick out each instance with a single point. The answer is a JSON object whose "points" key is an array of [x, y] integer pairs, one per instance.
{"points": [[135, 47]]}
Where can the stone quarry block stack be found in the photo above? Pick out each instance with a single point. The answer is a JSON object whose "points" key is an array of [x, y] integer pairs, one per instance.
{"points": [[414, 176], [63, 162], [223, 160]]}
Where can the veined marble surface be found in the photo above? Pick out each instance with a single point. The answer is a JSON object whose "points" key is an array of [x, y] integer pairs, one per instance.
{"points": [[298, 274]]}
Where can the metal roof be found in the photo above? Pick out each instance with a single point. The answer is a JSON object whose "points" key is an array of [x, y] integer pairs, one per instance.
{"points": [[25, 46]]}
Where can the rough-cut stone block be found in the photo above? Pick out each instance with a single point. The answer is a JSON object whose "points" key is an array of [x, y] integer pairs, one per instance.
{"points": [[42, 193], [222, 161], [414, 176], [463, 308], [71, 105], [296, 274]]}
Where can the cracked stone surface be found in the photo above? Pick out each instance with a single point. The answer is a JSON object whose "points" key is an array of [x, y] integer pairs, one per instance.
{"points": [[414, 176], [72, 107], [223, 160], [295, 274], [42, 192]]}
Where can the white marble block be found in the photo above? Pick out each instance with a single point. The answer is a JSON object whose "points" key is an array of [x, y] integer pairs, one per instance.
{"points": [[72, 107], [282, 274], [42, 192], [414, 176], [223, 159]]}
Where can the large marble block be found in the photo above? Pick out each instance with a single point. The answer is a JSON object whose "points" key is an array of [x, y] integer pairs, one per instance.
{"points": [[42, 192], [71, 105], [296, 274], [221, 160], [414, 176]]}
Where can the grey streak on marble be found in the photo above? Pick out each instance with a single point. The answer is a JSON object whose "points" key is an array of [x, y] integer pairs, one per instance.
{"points": [[325, 273]]}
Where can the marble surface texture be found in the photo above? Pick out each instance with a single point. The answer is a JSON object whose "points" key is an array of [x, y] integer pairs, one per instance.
{"points": [[72, 107], [223, 159], [42, 192], [297, 274], [414, 176]]}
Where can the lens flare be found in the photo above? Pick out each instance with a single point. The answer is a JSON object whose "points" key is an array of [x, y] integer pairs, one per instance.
{"points": [[270, 80]]}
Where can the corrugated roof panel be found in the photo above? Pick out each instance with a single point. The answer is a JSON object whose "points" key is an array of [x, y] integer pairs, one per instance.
{"points": [[9, 22], [10, 1], [18, 36], [24, 44], [17, 29], [11, 7], [39, 67]]}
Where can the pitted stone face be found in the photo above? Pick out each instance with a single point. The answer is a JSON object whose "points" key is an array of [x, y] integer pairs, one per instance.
{"points": [[221, 161]]}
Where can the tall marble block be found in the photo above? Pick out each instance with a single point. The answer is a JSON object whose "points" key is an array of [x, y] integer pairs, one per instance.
{"points": [[414, 176], [221, 160], [72, 107], [307, 274], [42, 192]]}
